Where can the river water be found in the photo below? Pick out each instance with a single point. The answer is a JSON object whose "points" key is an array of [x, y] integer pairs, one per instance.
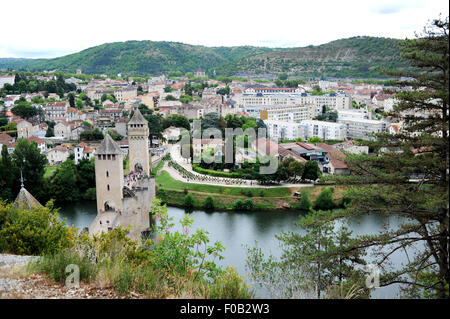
{"points": [[237, 229]]}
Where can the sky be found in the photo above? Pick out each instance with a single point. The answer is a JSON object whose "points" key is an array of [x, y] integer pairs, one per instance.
{"points": [[51, 28]]}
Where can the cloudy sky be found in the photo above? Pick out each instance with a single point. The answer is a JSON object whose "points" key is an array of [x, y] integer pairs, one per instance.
{"points": [[51, 28]]}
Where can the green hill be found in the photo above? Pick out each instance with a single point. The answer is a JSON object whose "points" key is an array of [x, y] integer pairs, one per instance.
{"points": [[356, 57], [352, 57], [137, 58]]}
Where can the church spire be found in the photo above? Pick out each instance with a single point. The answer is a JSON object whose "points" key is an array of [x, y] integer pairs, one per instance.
{"points": [[21, 181]]}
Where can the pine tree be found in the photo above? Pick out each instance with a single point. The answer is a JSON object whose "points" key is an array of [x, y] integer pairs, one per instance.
{"points": [[411, 178]]}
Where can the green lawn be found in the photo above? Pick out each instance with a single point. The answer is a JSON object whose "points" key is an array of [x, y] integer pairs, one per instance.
{"points": [[169, 183], [49, 171]]}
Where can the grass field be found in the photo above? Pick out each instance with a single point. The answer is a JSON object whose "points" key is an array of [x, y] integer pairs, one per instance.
{"points": [[167, 182], [49, 171], [173, 191]]}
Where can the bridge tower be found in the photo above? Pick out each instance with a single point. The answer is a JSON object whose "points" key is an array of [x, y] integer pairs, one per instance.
{"points": [[138, 155], [109, 176]]}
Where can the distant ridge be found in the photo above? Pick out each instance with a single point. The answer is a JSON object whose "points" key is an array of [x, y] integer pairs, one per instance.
{"points": [[352, 57]]}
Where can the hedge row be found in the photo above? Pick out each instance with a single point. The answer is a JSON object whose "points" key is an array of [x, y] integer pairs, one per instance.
{"points": [[210, 172]]}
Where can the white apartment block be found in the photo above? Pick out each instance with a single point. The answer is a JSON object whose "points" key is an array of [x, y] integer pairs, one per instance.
{"points": [[353, 114], [361, 128], [251, 100], [324, 130], [288, 114], [5, 78], [56, 110], [278, 130]]}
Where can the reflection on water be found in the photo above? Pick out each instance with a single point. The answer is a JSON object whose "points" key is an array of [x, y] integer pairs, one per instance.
{"points": [[235, 230], [80, 214]]}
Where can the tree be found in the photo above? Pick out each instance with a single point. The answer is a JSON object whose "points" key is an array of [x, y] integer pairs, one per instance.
{"points": [[210, 120], [311, 263], [26, 156], [8, 176], [71, 98], [283, 76], [296, 168], [63, 185], [24, 110], [177, 121], [208, 203], [311, 171], [85, 175], [224, 91], [188, 201], [325, 200], [50, 132], [305, 204], [170, 97], [411, 182]]}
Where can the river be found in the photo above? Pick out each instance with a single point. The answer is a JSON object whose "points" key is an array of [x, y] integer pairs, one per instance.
{"points": [[237, 229]]}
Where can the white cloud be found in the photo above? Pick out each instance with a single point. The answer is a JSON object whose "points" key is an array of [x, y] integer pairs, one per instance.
{"points": [[49, 28]]}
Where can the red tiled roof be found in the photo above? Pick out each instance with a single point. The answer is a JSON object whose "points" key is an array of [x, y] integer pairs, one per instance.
{"points": [[336, 156], [36, 139], [305, 146]]}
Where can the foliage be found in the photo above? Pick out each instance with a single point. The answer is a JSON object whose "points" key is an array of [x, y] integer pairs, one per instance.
{"points": [[325, 200], [55, 263], [243, 205], [63, 184], [26, 84], [208, 203], [305, 204], [33, 231], [24, 110], [27, 156], [341, 58], [188, 201], [412, 180], [310, 264], [91, 135], [311, 171]]}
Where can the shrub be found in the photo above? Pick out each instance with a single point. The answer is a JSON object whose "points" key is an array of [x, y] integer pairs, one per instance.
{"points": [[211, 172], [55, 265], [33, 231], [189, 201], [237, 205], [208, 203], [305, 203], [90, 194], [229, 285], [247, 193], [243, 205], [325, 200], [247, 204]]}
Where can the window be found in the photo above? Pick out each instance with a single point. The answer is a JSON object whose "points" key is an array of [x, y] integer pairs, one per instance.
{"points": [[107, 174], [107, 187]]}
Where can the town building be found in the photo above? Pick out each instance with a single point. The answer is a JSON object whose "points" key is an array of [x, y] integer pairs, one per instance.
{"points": [[362, 128], [83, 151], [6, 78], [57, 155], [288, 114], [324, 130], [279, 130]]}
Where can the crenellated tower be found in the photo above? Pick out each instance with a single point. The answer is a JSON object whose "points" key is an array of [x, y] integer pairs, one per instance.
{"points": [[109, 176], [138, 155]]}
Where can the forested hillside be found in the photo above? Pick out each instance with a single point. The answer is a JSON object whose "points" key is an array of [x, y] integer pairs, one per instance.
{"points": [[352, 57]]}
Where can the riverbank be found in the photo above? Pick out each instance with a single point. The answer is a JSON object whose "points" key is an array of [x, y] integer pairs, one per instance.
{"points": [[173, 192]]}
